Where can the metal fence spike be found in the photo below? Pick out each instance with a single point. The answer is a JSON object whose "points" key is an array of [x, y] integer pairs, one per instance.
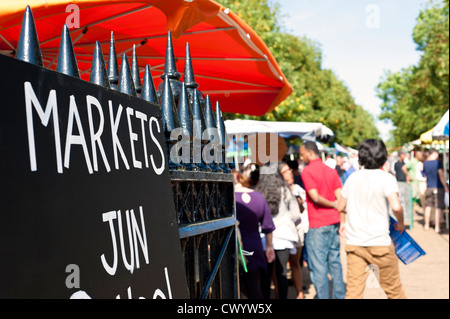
{"points": [[170, 121], [28, 48], [67, 62], [220, 124], [135, 72], [209, 114], [99, 75], [168, 108], [185, 118], [170, 67], [189, 77], [126, 84], [148, 87], [184, 111], [198, 126], [211, 124], [198, 118], [223, 137], [113, 67]]}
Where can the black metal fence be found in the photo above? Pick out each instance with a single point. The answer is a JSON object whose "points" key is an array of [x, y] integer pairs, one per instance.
{"points": [[205, 212], [203, 191]]}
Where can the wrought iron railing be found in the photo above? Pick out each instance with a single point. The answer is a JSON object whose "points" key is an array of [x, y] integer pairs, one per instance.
{"points": [[203, 191]]}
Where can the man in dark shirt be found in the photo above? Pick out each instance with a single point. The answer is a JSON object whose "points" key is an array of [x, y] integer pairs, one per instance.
{"points": [[436, 189], [400, 172], [400, 168]]}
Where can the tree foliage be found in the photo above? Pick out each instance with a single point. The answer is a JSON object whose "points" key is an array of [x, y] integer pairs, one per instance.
{"points": [[318, 95], [416, 97]]}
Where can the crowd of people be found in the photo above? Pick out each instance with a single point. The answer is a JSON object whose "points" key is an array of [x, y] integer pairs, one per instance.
{"points": [[422, 180], [299, 215]]}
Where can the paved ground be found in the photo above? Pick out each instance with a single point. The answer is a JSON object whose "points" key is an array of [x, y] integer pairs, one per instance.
{"points": [[426, 278]]}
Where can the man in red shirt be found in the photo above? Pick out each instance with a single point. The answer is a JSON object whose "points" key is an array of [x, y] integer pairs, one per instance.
{"points": [[323, 188]]}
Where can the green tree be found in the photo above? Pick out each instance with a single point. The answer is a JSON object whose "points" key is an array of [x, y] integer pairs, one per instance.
{"points": [[318, 96], [416, 97]]}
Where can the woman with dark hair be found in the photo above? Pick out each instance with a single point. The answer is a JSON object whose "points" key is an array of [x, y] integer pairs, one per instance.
{"points": [[254, 217], [365, 222], [286, 215], [302, 228]]}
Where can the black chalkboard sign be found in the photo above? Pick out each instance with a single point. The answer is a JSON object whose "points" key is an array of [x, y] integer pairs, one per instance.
{"points": [[86, 206]]}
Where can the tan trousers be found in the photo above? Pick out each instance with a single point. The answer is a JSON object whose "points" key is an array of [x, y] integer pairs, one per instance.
{"points": [[385, 263]]}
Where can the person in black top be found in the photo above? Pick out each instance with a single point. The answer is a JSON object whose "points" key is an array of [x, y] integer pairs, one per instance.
{"points": [[297, 176], [400, 168], [401, 173]]}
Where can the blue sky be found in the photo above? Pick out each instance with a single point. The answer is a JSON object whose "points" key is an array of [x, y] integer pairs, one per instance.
{"points": [[360, 39]]}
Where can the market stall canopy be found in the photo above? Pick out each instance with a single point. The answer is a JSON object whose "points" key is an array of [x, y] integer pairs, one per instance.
{"points": [[231, 63], [408, 147], [304, 130], [344, 149], [242, 127], [427, 137], [440, 131]]}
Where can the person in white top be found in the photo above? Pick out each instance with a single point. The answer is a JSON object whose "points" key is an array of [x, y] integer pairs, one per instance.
{"points": [[364, 207], [302, 227], [286, 215], [330, 161]]}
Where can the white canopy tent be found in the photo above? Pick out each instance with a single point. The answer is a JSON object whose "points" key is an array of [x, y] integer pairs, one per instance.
{"points": [[304, 130], [345, 149], [307, 131], [440, 131], [234, 127]]}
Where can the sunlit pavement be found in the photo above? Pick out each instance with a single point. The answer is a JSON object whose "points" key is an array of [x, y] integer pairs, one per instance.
{"points": [[425, 278]]}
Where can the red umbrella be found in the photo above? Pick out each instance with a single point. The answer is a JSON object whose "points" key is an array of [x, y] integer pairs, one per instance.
{"points": [[231, 62]]}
